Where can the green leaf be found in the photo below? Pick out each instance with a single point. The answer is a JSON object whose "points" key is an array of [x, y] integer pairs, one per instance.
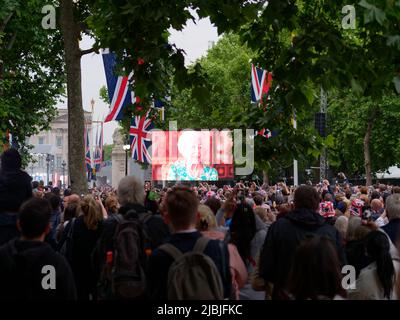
{"points": [[329, 141]]}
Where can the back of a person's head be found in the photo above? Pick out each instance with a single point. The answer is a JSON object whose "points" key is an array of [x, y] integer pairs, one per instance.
{"points": [[366, 228], [213, 203], [376, 204], [92, 213], [353, 223], [71, 211], [130, 191], [206, 220], [374, 195], [258, 200], [328, 197], [315, 270], [364, 190], [10, 159], [56, 191], [181, 204], [341, 225], [35, 184], [243, 229], [111, 204], [364, 198], [55, 201], [378, 248], [229, 206], [396, 189], [34, 217], [393, 206], [67, 192], [306, 197]]}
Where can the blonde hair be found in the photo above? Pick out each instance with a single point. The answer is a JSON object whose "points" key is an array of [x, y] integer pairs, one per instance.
{"points": [[92, 212], [341, 225], [206, 220], [353, 224]]}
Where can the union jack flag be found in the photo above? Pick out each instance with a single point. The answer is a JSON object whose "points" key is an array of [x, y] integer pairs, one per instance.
{"points": [[98, 154], [266, 133], [260, 83], [118, 89], [140, 138], [88, 159]]}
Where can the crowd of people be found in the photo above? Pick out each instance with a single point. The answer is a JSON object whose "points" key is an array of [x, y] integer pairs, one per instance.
{"points": [[238, 242]]}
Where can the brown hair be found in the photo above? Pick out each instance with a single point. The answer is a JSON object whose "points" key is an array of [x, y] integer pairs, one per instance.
{"points": [[315, 270], [92, 213], [181, 204], [306, 197], [364, 190], [229, 207], [111, 204]]}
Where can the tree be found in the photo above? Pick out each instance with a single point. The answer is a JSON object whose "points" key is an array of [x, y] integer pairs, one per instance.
{"points": [[366, 134], [304, 43], [107, 151], [227, 66], [72, 25], [31, 71]]}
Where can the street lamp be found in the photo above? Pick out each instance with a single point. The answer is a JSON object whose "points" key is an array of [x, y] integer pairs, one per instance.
{"points": [[48, 167], [63, 164], [126, 148]]}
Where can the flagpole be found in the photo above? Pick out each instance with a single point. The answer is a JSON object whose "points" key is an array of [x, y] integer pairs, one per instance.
{"points": [[295, 164]]}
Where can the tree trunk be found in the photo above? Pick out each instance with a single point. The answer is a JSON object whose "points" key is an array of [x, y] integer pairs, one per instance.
{"points": [[72, 55], [367, 154]]}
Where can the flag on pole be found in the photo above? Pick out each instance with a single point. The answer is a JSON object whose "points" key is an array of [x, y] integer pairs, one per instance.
{"points": [[119, 93], [260, 83], [266, 133], [98, 155], [140, 138], [88, 159]]}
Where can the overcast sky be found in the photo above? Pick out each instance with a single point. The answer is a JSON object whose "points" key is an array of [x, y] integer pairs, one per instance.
{"points": [[194, 39]]}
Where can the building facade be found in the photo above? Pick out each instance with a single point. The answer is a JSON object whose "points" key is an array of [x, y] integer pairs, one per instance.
{"points": [[50, 150]]}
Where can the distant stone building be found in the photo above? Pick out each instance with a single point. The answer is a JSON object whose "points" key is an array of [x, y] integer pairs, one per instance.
{"points": [[50, 150]]}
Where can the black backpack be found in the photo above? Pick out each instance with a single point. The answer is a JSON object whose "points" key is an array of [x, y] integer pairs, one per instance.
{"points": [[67, 243], [123, 270]]}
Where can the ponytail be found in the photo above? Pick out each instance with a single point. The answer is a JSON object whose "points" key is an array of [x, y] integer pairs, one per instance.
{"points": [[378, 248]]}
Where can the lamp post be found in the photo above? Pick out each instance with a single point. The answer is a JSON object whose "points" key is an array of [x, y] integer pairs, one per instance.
{"points": [[63, 164], [126, 148], [48, 167]]}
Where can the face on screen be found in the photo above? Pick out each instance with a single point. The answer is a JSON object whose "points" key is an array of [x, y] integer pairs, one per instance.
{"points": [[192, 155]]}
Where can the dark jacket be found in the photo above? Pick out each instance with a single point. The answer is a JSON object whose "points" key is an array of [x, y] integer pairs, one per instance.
{"points": [[15, 188], [393, 230], [160, 262], [83, 243], [21, 272], [282, 240]]}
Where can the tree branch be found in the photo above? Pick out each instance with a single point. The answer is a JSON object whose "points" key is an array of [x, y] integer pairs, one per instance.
{"points": [[7, 20], [11, 43], [87, 51]]}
